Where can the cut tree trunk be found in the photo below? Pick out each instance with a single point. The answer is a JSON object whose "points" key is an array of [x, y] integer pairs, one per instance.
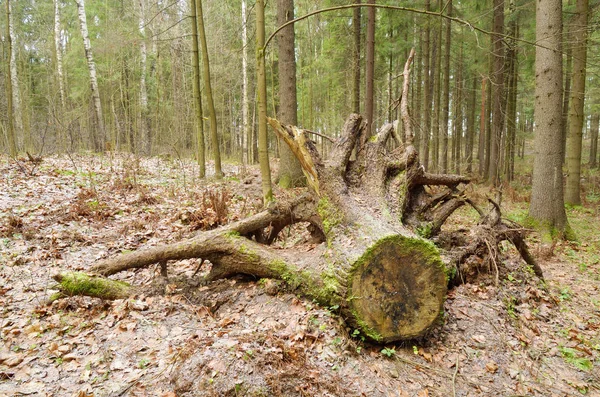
{"points": [[372, 215]]}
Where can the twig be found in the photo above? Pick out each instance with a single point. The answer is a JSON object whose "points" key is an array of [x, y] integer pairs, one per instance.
{"points": [[321, 135], [454, 376]]}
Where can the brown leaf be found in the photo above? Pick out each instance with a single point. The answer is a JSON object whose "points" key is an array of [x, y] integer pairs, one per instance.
{"points": [[491, 367]]}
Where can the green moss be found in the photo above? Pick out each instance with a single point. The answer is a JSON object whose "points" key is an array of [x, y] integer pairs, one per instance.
{"points": [[78, 283], [323, 290], [373, 138], [365, 329], [330, 215], [285, 181]]}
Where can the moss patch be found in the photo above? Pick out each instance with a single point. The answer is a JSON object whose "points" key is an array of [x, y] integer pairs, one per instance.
{"points": [[330, 215], [78, 283]]}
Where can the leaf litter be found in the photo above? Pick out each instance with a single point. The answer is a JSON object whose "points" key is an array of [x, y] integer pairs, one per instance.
{"points": [[252, 337]]}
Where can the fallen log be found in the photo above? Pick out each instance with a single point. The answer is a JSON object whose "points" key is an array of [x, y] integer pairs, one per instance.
{"points": [[374, 215]]}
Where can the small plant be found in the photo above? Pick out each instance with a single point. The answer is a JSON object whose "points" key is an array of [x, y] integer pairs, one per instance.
{"points": [[388, 352], [565, 294], [510, 307], [143, 363], [570, 356]]}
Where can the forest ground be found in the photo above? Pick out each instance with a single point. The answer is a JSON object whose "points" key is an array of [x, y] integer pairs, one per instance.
{"points": [[507, 335]]}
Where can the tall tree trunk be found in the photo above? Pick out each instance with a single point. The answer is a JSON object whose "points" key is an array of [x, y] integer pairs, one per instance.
{"points": [[547, 199], [498, 97], [214, 137], [356, 58], [245, 135], [481, 142], [568, 54], [370, 70], [458, 112], [290, 172], [98, 136], [574, 137], [446, 105], [145, 125], [261, 75], [511, 102], [418, 125], [426, 131], [594, 126], [436, 57], [12, 86], [470, 139], [59, 69], [200, 145]]}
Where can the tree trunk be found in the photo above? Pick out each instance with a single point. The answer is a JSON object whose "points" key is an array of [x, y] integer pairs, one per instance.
{"points": [[458, 112], [12, 86], [246, 132], [99, 136], [290, 172], [482, 117], [214, 137], [261, 76], [498, 95], [470, 138], [356, 58], [145, 125], [547, 200], [426, 131], [370, 69], [59, 71], [446, 105], [575, 134], [594, 126], [200, 146], [511, 102]]}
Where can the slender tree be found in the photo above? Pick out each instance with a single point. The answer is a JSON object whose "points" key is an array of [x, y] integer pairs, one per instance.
{"points": [[547, 199], [426, 131], [356, 58], [290, 171], [498, 95], [245, 134], [574, 137], [199, 124], [261, 76], [99, 136], [446, 90], [145, 125], [11, 84], [214, 137], [594, 126], [370, 69]]}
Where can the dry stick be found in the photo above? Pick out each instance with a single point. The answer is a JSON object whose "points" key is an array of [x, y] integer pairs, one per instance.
{"points": [[454, 376], [321, 135]]}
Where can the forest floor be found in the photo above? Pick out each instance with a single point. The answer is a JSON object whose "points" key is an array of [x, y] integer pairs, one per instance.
{"points": [[507, 335]]}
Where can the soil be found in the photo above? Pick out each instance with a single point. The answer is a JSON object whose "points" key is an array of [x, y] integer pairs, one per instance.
{"points": [[509, 334]]}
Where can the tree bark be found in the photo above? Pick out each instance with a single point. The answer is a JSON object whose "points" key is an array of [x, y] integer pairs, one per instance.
{"points": [[59, 66], [214, 137], [290, 172], [426, 131], [498, 96], [99, 136], [575, 134], [263, 143], [547, 200], [356, 58], [370, 69], [511, 102], [594, 127], [12, 87], [446, 91], [199, 124], [246, 132], [145, 125]]}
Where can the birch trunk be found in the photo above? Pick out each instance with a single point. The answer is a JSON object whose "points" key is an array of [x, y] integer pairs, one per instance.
{"points": [[58, 55], [11, 86], [99, 136], [145, 122]]}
